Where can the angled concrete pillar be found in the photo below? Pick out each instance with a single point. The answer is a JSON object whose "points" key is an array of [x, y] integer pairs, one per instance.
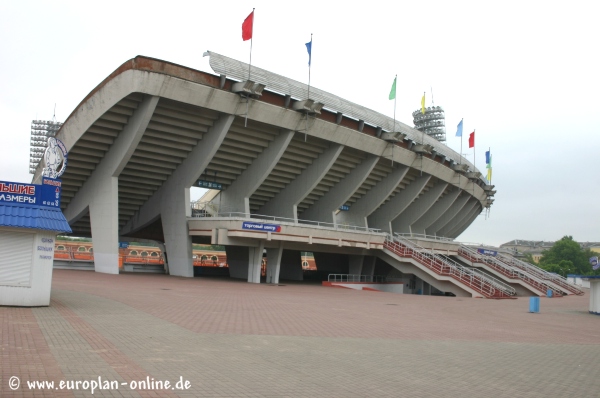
{"points": [[171, 201], [369, 202], [355, 264], [237, 196], [325, 207], [99, 193], [459, 203], [418, 208], [104, 219], [178, 243], [383, 216], [291, 265], [285, 203], [459, 218], [434, 213], [466, 222], [274, 263]]}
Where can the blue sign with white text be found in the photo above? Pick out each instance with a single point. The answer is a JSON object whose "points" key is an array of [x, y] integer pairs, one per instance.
{"points": [[487, 252], [261, 227], [47, 194]]}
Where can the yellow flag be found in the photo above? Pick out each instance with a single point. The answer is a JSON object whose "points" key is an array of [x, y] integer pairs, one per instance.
{"points": [[423, 104], [489, 176]]}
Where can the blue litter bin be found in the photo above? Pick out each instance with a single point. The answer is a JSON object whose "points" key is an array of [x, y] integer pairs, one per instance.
{"points": [[534, 304], [549, 293]]}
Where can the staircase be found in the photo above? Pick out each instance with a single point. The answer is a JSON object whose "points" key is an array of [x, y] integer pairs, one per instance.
{"points": [[542, 274], [508, 271], [485, 285]]}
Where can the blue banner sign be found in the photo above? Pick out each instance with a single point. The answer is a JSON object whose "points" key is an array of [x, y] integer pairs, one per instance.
{"points": [[210, 185], [16, 192], [487, 252], [344, 207], [51, 189], [123, 245], [261, 227], [47, 194]]}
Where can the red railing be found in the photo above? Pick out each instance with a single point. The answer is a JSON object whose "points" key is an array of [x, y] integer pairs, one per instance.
{"points": [[487, 286], [506, 270], [542, 274]]}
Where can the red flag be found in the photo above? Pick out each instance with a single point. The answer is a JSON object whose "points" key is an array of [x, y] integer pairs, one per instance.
{"points": [[247, 27], [472, 140]]}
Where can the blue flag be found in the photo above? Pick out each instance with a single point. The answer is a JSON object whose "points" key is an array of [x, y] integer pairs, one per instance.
{"points": [[459, 129], [309, 49], [487, 157]]}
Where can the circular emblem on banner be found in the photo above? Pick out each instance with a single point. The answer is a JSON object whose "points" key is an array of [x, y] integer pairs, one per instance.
{"points": [[55, 158]]}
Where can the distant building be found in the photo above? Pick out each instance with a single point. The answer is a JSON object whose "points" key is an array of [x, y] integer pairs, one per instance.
{"points": [[520, 247]]}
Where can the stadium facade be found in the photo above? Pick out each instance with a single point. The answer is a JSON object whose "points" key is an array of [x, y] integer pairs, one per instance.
{"points": [[320, 174]]}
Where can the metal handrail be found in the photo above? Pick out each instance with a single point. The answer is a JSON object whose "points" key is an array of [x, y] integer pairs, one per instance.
{"points": [[264, 217], [485, 284], [357, 278], [424, 236], [506, 270], [542, 273]]}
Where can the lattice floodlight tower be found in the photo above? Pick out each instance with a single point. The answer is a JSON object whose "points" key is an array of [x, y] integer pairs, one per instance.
{"points": [[41, 130], [432, 122]]}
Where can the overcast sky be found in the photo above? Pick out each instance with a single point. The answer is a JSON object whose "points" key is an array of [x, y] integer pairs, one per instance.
{"points": [[524, 74]]}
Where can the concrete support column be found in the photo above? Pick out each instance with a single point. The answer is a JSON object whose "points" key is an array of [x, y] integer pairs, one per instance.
{"points": [[237, 196], [274, 263], [355, 264], [104, 218], [245, 262], [459, 218], [325, 208], [466, 221], [369, 202], [383, 216], [435, 212], [444, 219], [291, 265], [175, 208], [255, 257], [417, 209], [285, 203]]}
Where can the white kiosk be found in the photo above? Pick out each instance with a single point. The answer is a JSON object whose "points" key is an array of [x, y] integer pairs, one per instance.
{"points": [[594, 293], [30, 219]]}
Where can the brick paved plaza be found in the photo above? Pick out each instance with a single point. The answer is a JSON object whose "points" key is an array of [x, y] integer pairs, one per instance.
{"points": [[230, 338]]}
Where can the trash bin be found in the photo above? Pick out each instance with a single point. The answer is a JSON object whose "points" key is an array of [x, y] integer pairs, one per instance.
{"points": [[534, 304], [549, 293]]}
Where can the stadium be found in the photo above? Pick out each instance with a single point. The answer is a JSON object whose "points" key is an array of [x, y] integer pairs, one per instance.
{"points": [[290, 170]]}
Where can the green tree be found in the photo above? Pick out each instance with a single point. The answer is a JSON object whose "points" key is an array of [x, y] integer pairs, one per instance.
{"points": [[566, 257]]}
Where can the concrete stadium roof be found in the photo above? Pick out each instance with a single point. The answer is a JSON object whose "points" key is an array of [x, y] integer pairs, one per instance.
{"points": [[148, 127], [239, 70]]}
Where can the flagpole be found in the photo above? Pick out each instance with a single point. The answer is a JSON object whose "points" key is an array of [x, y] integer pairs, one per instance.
{"points": [[474, 151], [309, 66], [395, 77], [251, 38]]}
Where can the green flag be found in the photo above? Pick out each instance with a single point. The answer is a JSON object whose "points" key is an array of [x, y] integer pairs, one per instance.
{"points": [[393, 90]]}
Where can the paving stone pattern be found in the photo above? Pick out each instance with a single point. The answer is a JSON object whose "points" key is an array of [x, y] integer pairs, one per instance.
{"points": [[229, 338]]}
